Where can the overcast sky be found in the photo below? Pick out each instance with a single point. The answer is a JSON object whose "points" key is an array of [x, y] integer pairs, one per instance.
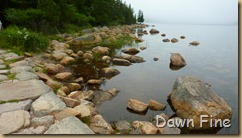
{"points": [[188, 11]]}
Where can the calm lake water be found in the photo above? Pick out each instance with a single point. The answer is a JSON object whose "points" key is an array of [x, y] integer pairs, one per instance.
{"points": [[214, 61]]}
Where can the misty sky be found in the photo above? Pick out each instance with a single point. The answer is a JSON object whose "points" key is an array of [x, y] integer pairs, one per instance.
{"points": [[188, 11]]}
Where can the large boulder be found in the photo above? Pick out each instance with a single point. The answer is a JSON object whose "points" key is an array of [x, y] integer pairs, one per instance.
{"points": [[176, 59], [192, 98], [154, 31], [47, 104], [69, 125], [137, 106], [13, 121]]}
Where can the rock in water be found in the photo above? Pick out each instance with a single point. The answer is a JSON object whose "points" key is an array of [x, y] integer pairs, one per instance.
{"points": [[154, 105], [130, 51], [121, 62], [174, 40], [109, 72], [69, 125], [99, 125], [137, 106], [176, 59], [146, 127], [191, 98], [194, 43], [101, 50], [154, 31]]}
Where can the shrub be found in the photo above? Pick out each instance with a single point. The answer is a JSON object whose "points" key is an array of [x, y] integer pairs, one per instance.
{"points": [[23, 40]]}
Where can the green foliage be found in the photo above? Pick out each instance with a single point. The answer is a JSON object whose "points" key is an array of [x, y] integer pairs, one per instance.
{"points": [[140, 17], [22, 40]]}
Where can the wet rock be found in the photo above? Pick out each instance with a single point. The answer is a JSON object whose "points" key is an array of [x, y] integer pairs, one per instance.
{"points": [[104, 95], [163, 35], [109, 72], [67, 60], [176, 59], [191, 98], [64, 76], [154, 31], [58, 55], [9, 107], [137, 106], [194, 43], [166, 40], [3, 78], [155, 59], [46, 104], [121, 62], [70, 102], [74, 86], [19, 69], [32, 130], [53, 68], [95, 82], [69, 125], [100, 126], [101, 50], [182, 37], [130, 51], [174, 40], [42, 121], [13, 121], [67, 112], [146, 127], [23, 90], [123, 126], [154, 105], [26, 76]]}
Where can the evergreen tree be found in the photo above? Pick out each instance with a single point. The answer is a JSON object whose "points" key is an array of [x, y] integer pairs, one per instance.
{"points": [[140, 18]]}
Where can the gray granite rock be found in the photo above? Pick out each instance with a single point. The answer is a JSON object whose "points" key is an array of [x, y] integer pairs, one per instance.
{"points": [[3, 77], [13, 121], [42, 121], [19, 69], [46, 104], [22, 90], [26, 76], [69, 125], [9, 107]]}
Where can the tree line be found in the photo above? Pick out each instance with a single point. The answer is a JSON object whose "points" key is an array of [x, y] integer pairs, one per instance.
{"points": [[51, 16]]}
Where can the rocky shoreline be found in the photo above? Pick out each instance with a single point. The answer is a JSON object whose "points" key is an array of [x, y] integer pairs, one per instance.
{"points": [[39, 95]]}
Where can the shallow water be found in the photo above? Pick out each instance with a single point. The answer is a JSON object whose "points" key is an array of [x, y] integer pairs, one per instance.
{"points": [[214, 61]]}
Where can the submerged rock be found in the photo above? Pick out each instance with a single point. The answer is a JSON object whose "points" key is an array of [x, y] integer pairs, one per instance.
{"points": [[176, 59], [137, 106], [191, 98]]}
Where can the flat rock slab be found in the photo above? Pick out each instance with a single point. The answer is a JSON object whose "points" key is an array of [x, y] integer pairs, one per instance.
{"points": [[23, 90], [69, 125], [4, 71], [46, 104], [8, 107], [3, 66], [19, 69], [13, 121], [26, 76]]}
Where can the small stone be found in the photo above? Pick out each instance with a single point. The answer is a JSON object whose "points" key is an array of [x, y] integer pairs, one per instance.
{"points": [[79, 80], [182, 37], [65, 89], [155, 59], [100, 126], [169, 130], [67, 60], [70, 102], [85, 110], [64, 76], [54, 84], [74, 86], [142, 48], [95, 82], [53, 69], [146, 127], [174, 40], [123, 126]]}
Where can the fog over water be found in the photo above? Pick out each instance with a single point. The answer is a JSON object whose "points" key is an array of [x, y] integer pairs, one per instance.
{"points": [[223, 12]]}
